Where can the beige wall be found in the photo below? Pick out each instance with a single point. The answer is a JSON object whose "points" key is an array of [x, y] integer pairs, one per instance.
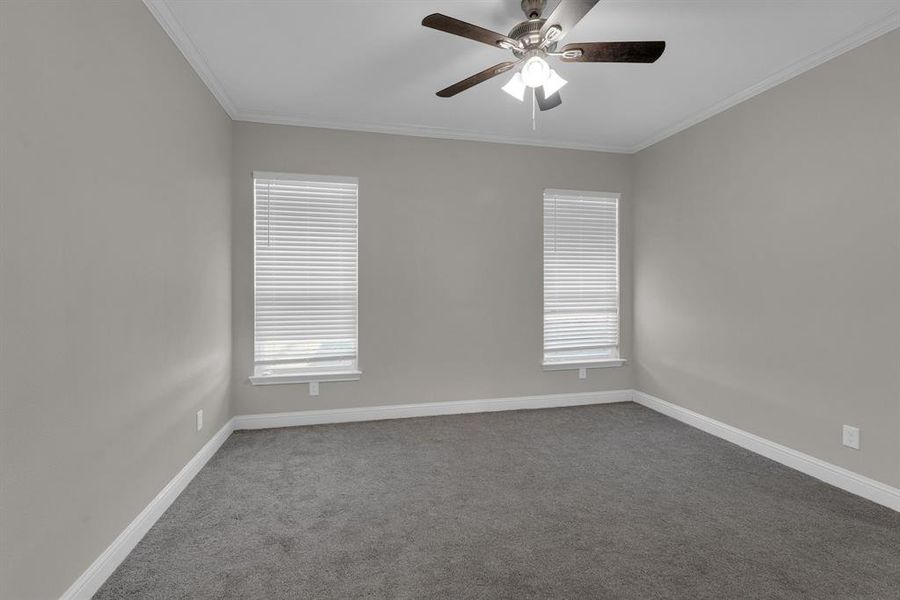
{"points": [[449, 266], [115, 297], [767, 263]]}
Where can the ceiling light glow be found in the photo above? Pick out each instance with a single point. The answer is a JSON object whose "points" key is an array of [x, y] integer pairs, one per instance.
{"points": [[535, 71]]}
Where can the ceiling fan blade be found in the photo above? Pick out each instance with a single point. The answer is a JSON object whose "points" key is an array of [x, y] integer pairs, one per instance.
{"points": [[467, 30], [546, 102], [461, 86], [633, 52], [566, 15]]}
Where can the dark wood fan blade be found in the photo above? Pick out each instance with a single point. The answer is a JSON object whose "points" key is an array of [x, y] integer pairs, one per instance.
{"points": [[461, 86], [566, 15], [546, 102], [467, 30], [628, 52]]}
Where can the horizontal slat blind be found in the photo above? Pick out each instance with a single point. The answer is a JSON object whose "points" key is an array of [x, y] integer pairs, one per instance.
{"points": [[581, 277], [305, 273]]}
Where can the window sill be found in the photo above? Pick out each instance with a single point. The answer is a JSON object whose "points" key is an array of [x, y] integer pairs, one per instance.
{"points": [[594, 364], [305, 377]]}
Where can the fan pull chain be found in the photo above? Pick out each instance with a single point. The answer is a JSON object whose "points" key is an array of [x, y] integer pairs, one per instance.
{"points": [[533, 100]]}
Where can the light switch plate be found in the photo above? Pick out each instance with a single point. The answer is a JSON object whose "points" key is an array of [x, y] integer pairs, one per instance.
{"points": [[851, 437], [199, 419], [313, 388], [582, 373]]}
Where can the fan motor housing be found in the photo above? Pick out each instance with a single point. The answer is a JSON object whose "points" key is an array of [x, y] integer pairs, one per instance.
{"points": [[529, 33]]}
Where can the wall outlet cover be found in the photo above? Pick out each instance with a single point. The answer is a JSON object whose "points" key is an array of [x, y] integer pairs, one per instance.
{"points": [[199, 419], [851, 437]]}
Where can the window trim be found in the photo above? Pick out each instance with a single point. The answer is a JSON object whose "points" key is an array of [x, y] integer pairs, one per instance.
{"points": [[618, 360], [352, 373], [594, 364], [305, 377]]}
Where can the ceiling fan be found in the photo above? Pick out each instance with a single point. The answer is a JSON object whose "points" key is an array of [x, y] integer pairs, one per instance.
{"points": [[533, 41]]}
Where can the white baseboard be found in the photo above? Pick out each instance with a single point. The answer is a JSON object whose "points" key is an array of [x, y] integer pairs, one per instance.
{"points": [[425, 409], [837, 476], [91, 580]]}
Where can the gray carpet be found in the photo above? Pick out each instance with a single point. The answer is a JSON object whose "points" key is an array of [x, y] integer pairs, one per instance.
{"points": [[612, 502]]}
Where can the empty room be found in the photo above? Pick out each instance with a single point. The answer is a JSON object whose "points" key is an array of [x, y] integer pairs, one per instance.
{"points": [[470, 299]]}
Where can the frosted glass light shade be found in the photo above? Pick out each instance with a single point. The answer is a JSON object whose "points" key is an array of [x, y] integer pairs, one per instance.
{"points": [[535, 71], [515, 87], [553, 84]]}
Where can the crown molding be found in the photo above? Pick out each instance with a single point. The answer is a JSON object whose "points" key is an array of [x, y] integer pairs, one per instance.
{"points": [[170, 24], [854, 40], [423, 131]]}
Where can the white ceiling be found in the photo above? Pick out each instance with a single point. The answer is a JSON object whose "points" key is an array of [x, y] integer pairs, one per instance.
{"points": [[369, 65]]}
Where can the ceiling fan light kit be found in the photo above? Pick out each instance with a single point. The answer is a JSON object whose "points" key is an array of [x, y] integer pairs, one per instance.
{"points": [[532, 42], [551, 83]]}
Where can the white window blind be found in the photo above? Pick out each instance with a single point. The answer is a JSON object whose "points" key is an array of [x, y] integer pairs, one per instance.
{"points": [[305, 259], [581, 277]]}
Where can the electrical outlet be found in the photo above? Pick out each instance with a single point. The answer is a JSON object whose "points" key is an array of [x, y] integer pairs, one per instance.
{"points": [[199, 419], [313, 388], [582, 373], [851, 437]]}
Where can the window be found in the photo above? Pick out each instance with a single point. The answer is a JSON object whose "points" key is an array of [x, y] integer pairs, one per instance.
{"points": [[581, 279], [305, 278]]}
